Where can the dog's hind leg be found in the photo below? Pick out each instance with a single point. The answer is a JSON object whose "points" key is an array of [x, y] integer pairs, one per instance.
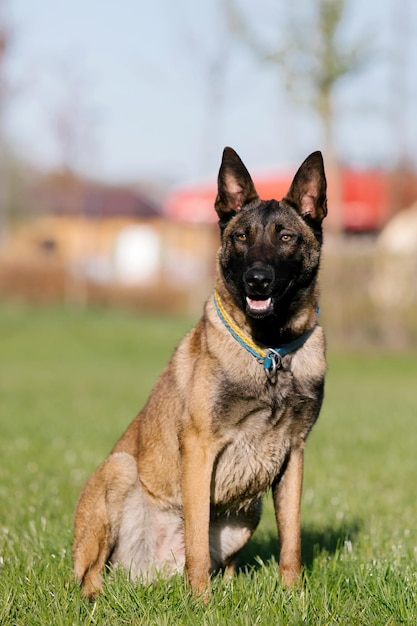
{"points": [[229, 534], [97, 519]]}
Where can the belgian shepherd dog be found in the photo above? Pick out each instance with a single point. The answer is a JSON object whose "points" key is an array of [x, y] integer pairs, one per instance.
{"points": [[229, 416]]}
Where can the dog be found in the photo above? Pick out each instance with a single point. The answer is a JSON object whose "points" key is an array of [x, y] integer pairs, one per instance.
{"points": [[229, 416]]}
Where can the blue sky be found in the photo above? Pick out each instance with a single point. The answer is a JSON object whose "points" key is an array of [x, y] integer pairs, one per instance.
{"points": [[131, 76]]}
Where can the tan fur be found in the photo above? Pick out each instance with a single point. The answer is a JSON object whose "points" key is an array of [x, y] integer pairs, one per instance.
{"points": [[183, 485]]}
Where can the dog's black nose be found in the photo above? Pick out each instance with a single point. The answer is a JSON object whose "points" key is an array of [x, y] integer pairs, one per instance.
{"points": [[259, 279]]}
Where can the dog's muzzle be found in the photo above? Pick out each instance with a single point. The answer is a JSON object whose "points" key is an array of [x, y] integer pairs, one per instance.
{"points": [[258, 281]]}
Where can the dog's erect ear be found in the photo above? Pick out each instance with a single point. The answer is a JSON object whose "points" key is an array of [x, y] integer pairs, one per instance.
{"points": [[235, 187], [308, 189]]}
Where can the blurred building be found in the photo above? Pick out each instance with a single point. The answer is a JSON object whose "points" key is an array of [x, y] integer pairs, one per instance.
{"points": [[85, 239], [88, 242], [367, 200]]}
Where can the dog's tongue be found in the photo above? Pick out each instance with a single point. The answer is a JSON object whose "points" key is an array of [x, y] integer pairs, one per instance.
{"points": [[259, 305]]}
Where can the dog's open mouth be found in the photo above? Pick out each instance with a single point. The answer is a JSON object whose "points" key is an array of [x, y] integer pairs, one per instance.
{"points": [[258, 308]]}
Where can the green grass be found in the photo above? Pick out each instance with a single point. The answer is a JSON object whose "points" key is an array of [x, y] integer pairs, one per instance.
{"points": [[70, 382]]}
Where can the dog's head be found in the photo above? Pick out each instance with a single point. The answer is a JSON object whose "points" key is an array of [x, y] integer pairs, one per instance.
{"points": [[270, 249]]}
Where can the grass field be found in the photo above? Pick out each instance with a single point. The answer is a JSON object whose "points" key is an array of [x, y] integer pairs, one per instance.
{"points": [[70, 381]]}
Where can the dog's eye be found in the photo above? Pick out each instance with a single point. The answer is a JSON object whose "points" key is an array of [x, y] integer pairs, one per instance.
{"points": [[286, 237], [241, 236]]}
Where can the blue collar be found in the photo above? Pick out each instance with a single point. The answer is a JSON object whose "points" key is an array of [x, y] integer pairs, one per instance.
{"points": [[270, 358]]}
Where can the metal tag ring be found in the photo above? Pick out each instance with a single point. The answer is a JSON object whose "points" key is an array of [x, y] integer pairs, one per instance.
{"points": [[276, 361]]}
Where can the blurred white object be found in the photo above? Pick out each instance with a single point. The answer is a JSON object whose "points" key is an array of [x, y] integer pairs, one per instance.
{"points": [[137, 255]]}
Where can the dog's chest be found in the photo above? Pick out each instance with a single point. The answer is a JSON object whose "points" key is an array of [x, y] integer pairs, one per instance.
{"points": [[259, 424], [247, 465]]}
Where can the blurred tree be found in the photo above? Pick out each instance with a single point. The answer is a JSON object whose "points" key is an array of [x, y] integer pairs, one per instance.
{"points": [[72, 118], [402, 104], [73, 122], [211, 54], [313, 58], [5, 40]]}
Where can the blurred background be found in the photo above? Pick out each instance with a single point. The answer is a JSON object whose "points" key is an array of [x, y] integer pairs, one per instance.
{"points": [[113, 118]]}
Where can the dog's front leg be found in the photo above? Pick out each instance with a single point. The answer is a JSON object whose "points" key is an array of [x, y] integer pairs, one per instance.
{"points": [[197, 464], [287, 503]]}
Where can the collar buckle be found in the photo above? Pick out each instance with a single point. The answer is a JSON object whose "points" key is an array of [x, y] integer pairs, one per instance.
{"points": [[272, 363]]}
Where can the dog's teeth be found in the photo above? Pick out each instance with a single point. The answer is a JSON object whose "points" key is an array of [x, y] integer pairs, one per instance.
{"points": [[259, 305]]}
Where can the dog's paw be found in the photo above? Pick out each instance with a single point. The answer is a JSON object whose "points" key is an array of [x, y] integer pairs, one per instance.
{"points": [[200, 586], [290, 574], [91, 587]]}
